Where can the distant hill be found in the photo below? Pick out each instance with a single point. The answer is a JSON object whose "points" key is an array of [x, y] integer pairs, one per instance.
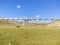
{"points": [[54, 24], [12, 24], [6, 23]]}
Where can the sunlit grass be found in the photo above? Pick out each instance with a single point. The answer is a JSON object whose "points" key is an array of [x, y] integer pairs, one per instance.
{"points": [[30, 36]]}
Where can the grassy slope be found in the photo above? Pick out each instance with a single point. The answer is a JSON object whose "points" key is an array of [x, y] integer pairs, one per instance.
{"points": [[5, 23], [29, 36]]}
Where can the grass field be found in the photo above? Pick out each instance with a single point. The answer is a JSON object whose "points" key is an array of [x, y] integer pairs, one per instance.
{"points": [[30, 36]]}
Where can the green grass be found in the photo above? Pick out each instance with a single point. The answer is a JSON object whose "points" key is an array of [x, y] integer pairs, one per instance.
{"points": [[30, 36]]}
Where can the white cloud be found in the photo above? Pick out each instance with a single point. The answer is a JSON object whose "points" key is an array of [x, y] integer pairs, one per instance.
{"points": [[18, 6], [37, 15]]}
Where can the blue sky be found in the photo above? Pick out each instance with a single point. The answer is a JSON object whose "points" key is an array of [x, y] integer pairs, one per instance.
{"points": [[30, 8]]}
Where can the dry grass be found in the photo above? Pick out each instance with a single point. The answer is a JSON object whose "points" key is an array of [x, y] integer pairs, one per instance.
{"points": [[30, 36]]}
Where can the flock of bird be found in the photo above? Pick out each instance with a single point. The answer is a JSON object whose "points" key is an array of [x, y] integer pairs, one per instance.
{"points": [[30, 19]]}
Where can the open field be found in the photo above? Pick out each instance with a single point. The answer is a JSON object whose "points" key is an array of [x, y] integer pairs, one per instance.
{"points": [[30, 36]]}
